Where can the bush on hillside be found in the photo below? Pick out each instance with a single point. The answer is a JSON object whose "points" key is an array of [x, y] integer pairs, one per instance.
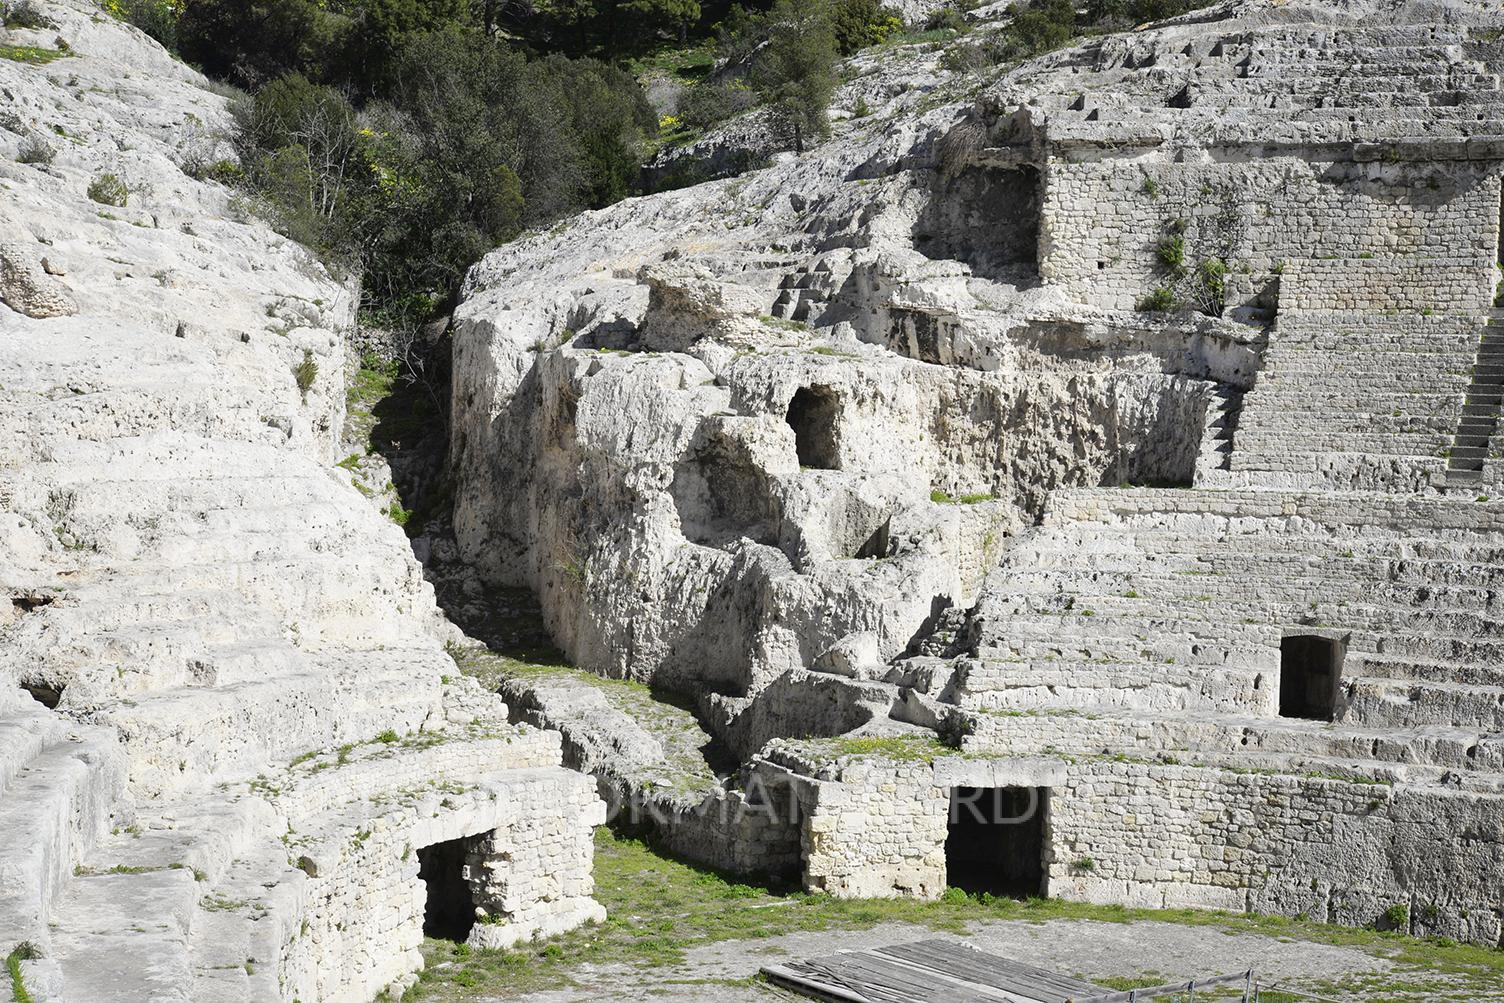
{"points": [[857, 24]]}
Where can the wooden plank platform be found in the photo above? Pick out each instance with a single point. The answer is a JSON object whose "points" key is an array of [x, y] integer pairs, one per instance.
{"points": [[943, 971], [929, 971]]}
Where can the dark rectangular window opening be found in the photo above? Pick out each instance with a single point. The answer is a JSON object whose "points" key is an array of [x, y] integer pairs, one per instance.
{"points": [[996, 840], [1310, 676], [449, 911], [814, 414]]}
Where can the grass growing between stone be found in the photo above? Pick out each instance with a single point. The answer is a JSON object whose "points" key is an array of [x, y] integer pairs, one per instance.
{"points": [[536, 664], [659, 909]]}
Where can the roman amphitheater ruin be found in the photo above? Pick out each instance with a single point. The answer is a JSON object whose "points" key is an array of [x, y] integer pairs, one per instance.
{"points": [[1111, 440]]}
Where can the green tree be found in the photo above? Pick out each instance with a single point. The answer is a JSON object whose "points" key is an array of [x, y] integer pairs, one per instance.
{"points": [[856, 24], [303, 148], [794, 70], [1041, 27], [653, 15], [252, 42], [609, 117]]}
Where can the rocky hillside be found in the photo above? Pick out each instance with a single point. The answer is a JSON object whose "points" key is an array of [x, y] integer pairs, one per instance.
{"points": [[197, 598]]}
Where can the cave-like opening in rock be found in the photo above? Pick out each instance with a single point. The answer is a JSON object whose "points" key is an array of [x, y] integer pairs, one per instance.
{"points": [[879, 543], [449, 909], [987, 217], [1310, 676], [722, 496], [996, 840], [46, 694], [814, 414]]}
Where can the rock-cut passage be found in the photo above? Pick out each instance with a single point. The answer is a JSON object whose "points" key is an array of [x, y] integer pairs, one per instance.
{"points": [[995, 840], [813, 415], [449, 911]]}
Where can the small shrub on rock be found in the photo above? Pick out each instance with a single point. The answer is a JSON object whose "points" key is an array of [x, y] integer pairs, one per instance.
{"points": [[1161, 300], [158, 18], [108, 189], [857, 24], [706, 105], [305, 373], [948, 18], [35, 150]]}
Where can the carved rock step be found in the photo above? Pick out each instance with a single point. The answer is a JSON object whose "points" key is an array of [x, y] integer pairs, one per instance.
{"points": [[52, 811]]}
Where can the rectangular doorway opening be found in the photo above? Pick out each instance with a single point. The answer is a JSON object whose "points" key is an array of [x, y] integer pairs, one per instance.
{"points": [[815, 416], [449, 910], [995, 841], [1310, 676]]}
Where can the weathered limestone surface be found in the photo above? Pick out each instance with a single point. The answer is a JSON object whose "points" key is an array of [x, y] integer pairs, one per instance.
{"points": [[195, 600], [876, 443]]}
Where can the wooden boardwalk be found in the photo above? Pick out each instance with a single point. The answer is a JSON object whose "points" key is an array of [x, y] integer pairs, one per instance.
{"points": [[942, 971]]}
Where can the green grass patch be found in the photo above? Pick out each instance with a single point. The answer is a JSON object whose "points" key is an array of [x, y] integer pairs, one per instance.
{"points": [[660, 909], [530, 660], [24, 951], [689, 63], [972, 498], [31, 54], [896, 748]]}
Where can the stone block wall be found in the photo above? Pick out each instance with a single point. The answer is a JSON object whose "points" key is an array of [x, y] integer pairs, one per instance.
{"points": [[878, 833], [1340, 852], [1106, 216], [740, 832], [355, 837], [1174, 836]]}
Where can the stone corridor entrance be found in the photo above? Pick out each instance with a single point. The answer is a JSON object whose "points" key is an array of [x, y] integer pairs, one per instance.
{"points": [[1310, 676], [814, 414], [995, 840], [449, 912]]}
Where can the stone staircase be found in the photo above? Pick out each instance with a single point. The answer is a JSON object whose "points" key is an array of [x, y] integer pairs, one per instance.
{"points": [[1215, 454], [1480, 409], [1355, 401], [61, 783], [804, 295]]}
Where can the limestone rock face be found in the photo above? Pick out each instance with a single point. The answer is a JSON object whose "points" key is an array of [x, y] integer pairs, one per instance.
{"points": [[1055, 414], [216, 659], [28, 287]]}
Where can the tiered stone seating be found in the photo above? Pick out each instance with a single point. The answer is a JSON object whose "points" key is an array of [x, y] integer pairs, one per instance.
{"points": [[1165, 609], [197, 598], [1374, 83]]}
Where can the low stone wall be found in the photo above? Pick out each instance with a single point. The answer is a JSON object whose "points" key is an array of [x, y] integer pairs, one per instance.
{"points": [[1171, 836], [1340, 852], [354, 834], [751, 832]]}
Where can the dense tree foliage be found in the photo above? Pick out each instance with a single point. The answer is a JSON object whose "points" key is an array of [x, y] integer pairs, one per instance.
{"points": [[407, 137], [470, 144]]}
